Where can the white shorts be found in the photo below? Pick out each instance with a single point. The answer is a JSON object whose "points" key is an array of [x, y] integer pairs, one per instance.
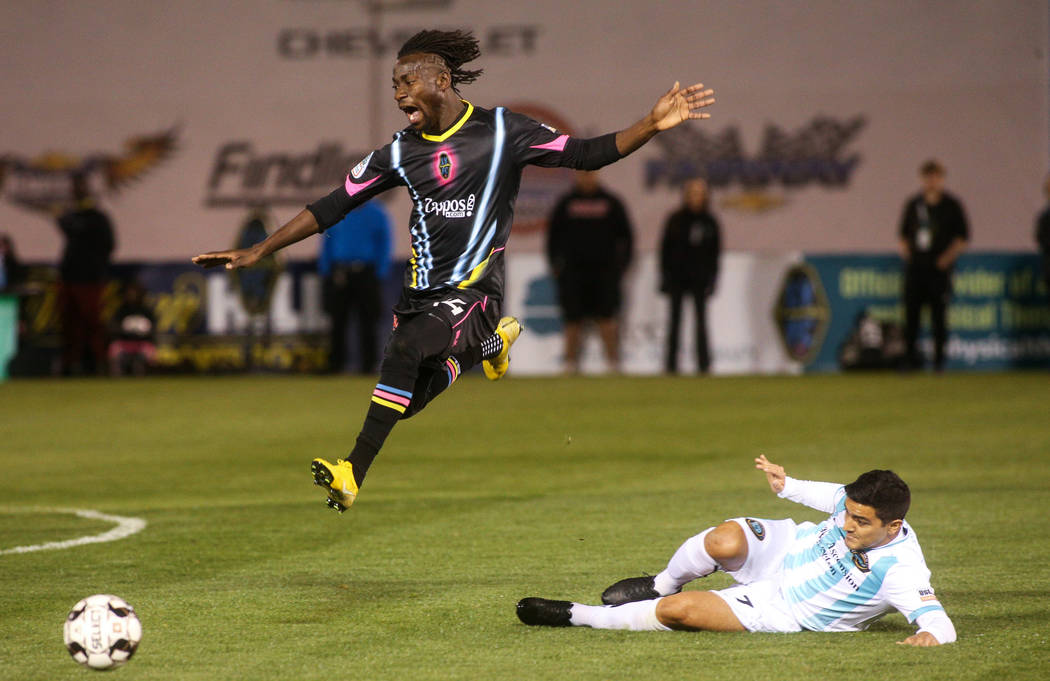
{"points": [[756, 599], [760, 607]]}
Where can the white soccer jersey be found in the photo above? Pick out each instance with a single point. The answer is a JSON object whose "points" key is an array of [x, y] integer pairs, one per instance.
{"points": [[830, 588]]}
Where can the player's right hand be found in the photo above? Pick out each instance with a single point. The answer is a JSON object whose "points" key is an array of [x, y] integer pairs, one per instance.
{"points": [[775, 474], [242, 257]]}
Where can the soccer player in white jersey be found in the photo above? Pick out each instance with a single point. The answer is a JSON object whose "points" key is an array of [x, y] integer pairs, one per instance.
{"points": [[839, 575]]}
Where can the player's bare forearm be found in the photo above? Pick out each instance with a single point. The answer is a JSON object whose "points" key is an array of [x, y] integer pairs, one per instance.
{"points": [[632, 138], [298, 228], [674, 107]]}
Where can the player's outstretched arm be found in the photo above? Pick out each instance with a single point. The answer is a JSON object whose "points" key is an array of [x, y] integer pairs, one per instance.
{"points": [[676, 106], [298, 228], [775, 474]]}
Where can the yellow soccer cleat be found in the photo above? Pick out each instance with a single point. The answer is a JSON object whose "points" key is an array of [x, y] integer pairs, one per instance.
{"points": [[338, 481], [509, 328]]}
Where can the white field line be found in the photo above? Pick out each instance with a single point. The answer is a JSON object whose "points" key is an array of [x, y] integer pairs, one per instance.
{"points": [[125, 527]]}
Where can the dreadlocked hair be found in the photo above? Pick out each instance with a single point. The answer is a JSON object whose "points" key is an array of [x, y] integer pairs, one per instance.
{"points": [[455, 48]]}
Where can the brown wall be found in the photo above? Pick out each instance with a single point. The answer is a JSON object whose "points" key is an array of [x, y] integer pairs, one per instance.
{"points": [[965, 83]]}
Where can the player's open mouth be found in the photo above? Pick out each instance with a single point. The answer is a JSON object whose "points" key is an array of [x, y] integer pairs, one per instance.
{"points": [[415, 116]]}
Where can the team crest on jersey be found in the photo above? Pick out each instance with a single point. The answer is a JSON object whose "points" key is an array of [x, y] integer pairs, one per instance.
{"points": [[860, 559], [444, 165], [360, 168], [757, 528]]}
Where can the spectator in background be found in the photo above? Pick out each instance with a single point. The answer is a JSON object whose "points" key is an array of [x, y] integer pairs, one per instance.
{"points": [[11, 271], [354, 261], [83, 272], [933, 233], [689, 253], [589, 246], [1042, 235], [133, 332]]}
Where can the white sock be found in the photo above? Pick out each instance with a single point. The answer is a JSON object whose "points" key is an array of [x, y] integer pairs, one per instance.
{"points": [[689, 562], [638, 616]]}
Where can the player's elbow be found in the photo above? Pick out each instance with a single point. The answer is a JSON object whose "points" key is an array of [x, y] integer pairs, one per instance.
{"points": [[947, 635], [939, 626]]}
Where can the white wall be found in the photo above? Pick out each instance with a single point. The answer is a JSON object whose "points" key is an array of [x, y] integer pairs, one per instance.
{"points": [[965, 82]]}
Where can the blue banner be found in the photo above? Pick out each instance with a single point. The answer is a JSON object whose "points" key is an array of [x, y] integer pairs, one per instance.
{"points": [[998, 318]]}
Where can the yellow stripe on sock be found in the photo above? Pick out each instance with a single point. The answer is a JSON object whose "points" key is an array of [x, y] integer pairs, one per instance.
{"points": [[400, 409]]}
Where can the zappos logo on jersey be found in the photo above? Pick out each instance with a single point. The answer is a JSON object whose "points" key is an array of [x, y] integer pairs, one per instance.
{"points": [[450, 208]]}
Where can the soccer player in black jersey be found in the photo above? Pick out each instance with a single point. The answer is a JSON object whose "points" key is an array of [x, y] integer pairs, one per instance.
{"points": [[461, 165]]}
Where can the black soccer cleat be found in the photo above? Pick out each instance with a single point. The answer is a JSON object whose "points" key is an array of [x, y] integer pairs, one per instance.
{"points": [[545, 612], [630, 590]]}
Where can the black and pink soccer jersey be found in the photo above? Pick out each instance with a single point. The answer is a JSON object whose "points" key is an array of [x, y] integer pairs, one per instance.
{"points": [[463, 184]]}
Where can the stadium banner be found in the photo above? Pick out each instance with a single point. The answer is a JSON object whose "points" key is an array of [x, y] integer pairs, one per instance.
{"points": [[741, 325], [202, 323], [999, 316], [771, 313], [201, 320]]}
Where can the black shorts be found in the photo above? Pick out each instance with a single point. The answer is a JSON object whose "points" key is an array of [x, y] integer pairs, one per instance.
{"points": [[589, 293], [472, 316]]}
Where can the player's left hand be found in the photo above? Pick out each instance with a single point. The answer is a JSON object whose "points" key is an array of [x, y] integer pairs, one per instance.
{"points": [[241, 257], [923, 639], [775, 475], [678, 105]]}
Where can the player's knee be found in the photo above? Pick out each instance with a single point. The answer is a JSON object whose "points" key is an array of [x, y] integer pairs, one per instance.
{"points": [[675, 611], [402, 352], [727, 544], [413, 408]]}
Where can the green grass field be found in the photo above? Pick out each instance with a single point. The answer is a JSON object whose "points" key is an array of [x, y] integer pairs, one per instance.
{"points": [[546, 487]]}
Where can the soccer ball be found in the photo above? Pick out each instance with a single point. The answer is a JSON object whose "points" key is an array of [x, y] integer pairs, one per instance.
{"points": [[102, 631]]}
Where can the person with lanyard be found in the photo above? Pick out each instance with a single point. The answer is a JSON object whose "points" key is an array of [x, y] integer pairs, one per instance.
{"points": [[933, 234]]}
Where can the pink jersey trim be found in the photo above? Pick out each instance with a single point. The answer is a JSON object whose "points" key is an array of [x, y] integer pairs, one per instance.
{"points": [[353, 188], [483, 303], [558, 144]]}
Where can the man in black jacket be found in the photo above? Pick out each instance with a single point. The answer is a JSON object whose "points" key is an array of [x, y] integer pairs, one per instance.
{"points": [[933, 233], [589, 246], [689, 253], [83, 272]]}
